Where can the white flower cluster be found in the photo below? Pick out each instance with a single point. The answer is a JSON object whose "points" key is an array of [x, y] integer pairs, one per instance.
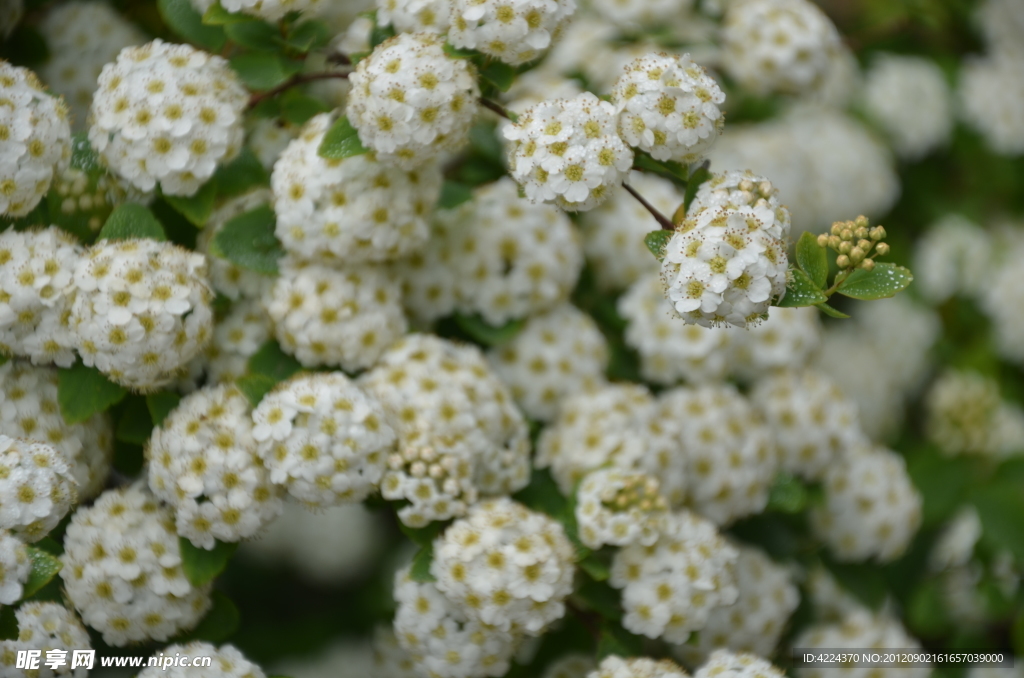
{"points": [[45, 627], [203, 462], [513, 31], [967, 415], [506, 566], [227, 278], [813, 422], [620, 508], [442, 639], [269, 10], [670, 588], [228, 662], [871, 510], [30, 410], [167, 114], [35, 140], [141, 310], [954, 256], [778, 45], [459, 432], [335, 317], [36, 269], [415, 16], [322, 438], [390, 660], [36, 487], [860, 630], [572, 665], [632, 13], [83, 36], [991, 94], [668, 107], [728, 451], [410, 101], [353, 210], [236, 337], [568, 152], [1002, 24], [614, 666], [556, 354], [1002, 300], [909, 98], [15, 568], [755, 622], [497, 256], [728, 664], [786, 340], [122, 569]]}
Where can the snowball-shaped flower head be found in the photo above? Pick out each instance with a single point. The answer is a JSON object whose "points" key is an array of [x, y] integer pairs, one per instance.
{"points": [[619, 507], [778, 45], [633, 13], [555, 355], [226, 277], [506, 566], [45, 627], [36, 487], [813, 422], [236, 338], [269, 10], [141, 310], [908, 96], [15, 568], [568, 151], [967, 415], [755, 622], [228, 662], [203, 462], [858, 630], [338, 317], [724, 265], [736, 189], [670, 588], [737, 665], [459, 432], [728, 452], [35, 140], [36, 269], [954, 256], [167, 114], [513, 31], [410, 101], [1002, 300], [414, 16], [323, 438], [668, 106], [614, 666], [29, 409], [991, 94], [122, 569], [352, 210], [871, 510], [786, 340], [442, 639]]}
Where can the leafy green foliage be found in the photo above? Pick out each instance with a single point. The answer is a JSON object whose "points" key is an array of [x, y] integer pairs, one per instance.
{"points": [[263, 70], [788, 494], [421, 564], [488, 335], [83, 391], [201, 566], [656, 242], [829, 311], [272, 362], [248, 241], [160, 404], [672, 171], [216, 15], [219, 624], [297, 108], [129, 220], [44, 568], [498, 73], [135, 424], [883, 281], [453, 194], [184, 20], [812, 260], [801, 291], [618, 641], [309, 35], [254, 34], [1000, 507], [196, 208], [699, 176], [255, 386], [341, 141], [240, 175]]}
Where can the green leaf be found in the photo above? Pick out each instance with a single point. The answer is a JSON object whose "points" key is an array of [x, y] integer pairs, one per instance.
{"points": [[341, 141], [160, 404], [498, 73], [595, 567], [248, 240], [297, 108], [219, 624], [261, 70], [255, 386], [693, 184], [44, 568], [380, 33], [618, 641], [272, 362], [241, 174], [196, 208], [8, 623], [201, 566], [216, 15], [83, 391], [829, 311], [787, 495], [542, 494], [488, 335], [83, 157], [182, 18], [1001, 510], [883, 281], [459, 53], [128, 221], [421, 564], [309, 35], [453, 194], [668, 169], [135, 424], [423, 536], [656, 242], [254, 34], [801, 291], [810, 256], [601, 598], [866, 582]]}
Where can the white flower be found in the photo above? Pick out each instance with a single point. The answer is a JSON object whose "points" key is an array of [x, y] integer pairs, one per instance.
{"points": [[991, 94], [967, 415], [955, 544], [35, 140], [668, 106], [512, 31], [619, 508], [614, 666], [236, 337], [786, 340], [228, 662], [45, 627], [650, 13], [410, 101], [414, 16], [167, 114], [860, 630], [15, 568], [954, 256], [270, 10], [1002, 24], [572, 665], [737, 665], [568, 152], [36, 487]]}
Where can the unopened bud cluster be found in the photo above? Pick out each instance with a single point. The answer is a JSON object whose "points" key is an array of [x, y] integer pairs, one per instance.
{"points": [[855, 241]]}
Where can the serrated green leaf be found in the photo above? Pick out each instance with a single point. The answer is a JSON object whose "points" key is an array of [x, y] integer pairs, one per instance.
{"points": [[241, 174], [615, 640], [297, 108], [485, 334], [341, 141], [216, 15], [255, 386], [135, 423], [160, 404], [810, 256], [44, 568], [219, 624], [801, 291], [498, 73], [248, 240], [196, 208], [829, 311], [693, 184], [261, 70], [421, 564], [128, 221], [272, 362], [881, 282], [182, 18], [202, 566], [453, 194], [656, 242], [83, 391], [309, 35], [254, 34]]}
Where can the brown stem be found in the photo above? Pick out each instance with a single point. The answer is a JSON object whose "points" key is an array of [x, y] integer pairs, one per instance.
{"points": [[498, 108], [294, 81], [663, 221]]}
